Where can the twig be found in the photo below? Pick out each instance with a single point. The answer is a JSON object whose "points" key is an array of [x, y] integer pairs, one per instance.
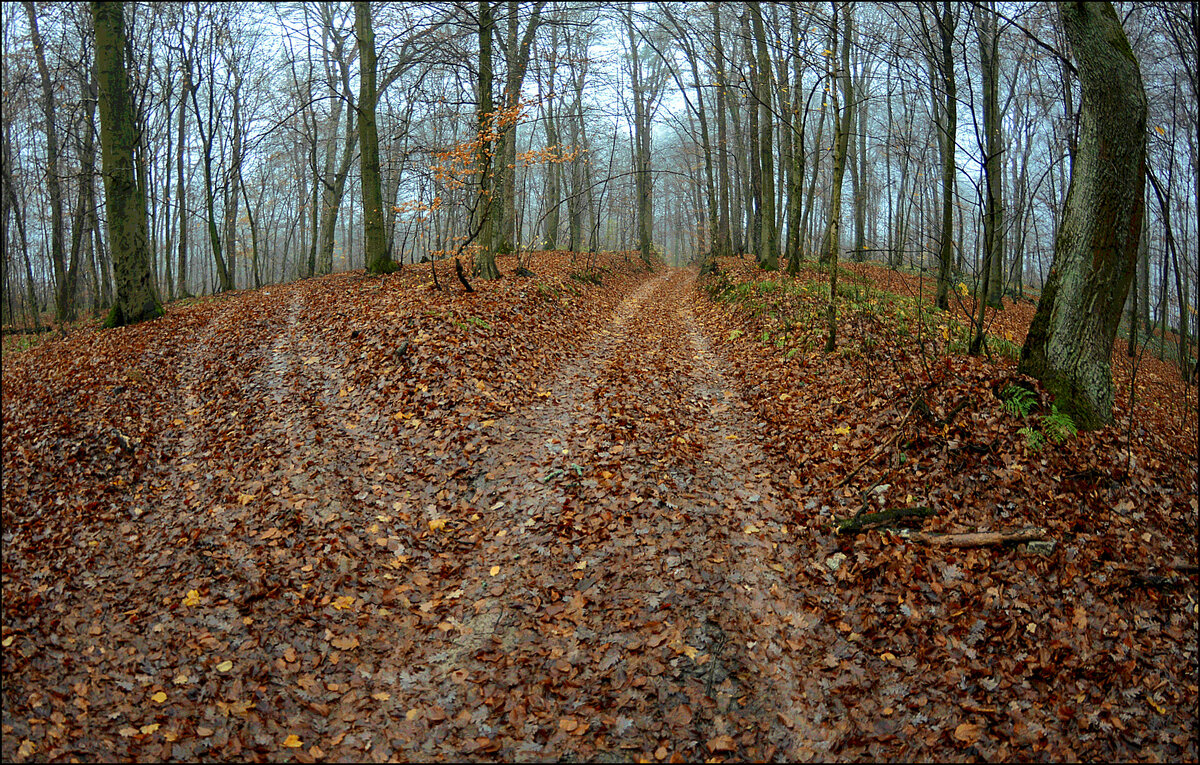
{"points": [[880, 450]]}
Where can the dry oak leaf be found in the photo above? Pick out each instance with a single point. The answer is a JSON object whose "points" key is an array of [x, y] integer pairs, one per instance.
{"points": [[345, 642], [721, 744], [968, 733]]}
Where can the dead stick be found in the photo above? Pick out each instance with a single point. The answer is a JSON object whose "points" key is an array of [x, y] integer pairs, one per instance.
{"points": [[978, 538], [880, 450]]}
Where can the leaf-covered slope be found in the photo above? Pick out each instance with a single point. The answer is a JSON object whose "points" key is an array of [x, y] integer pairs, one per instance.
{"points": [[353, 518]]}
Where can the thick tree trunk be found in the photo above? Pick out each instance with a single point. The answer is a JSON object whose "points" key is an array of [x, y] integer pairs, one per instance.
{"points": [[485, 261], [1070, 340], [125, 200], [379, 259]]}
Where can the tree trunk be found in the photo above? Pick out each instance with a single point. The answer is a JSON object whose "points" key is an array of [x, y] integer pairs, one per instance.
{"points": [[485, 261], [840, 141], [379, 259], [949, 130], [768, 251], [125, 200], [53, 174], [1069, 344], [724, 237]]}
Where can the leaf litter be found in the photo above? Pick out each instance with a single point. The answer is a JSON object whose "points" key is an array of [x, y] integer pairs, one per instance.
{"points": [[354, 518]]}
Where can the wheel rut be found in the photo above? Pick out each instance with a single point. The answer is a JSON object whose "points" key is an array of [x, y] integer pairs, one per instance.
{"points": [[635, 548]]}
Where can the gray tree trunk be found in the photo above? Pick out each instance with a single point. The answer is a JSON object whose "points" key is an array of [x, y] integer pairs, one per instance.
{"points": [[1069, 345], [125, 200]]}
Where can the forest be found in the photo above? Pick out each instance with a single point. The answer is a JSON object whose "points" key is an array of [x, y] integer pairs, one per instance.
{"points": [[658, 381]]}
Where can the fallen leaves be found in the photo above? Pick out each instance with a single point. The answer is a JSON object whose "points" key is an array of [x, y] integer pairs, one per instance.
{"points": [[672, 590]]}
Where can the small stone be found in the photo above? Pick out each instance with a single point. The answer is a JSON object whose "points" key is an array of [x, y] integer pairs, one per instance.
{"points": [[1045, 547]]}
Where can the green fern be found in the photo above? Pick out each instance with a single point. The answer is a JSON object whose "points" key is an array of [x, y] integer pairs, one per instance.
{"points": [[1005, 347], [1058, 425], [1018, 401], [1033, 438]]}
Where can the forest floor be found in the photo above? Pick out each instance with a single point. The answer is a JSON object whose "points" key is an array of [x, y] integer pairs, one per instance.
{"points": [[585, 515]]}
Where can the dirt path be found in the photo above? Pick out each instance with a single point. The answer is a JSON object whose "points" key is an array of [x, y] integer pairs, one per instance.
{"points": [[664, 623]]}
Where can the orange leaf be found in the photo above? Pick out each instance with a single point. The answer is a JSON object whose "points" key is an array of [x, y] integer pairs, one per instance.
{"points": [[968, 733]]}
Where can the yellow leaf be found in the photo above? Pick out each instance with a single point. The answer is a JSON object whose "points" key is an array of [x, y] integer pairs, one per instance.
{"points": [[8, 641], [437, 524], [690, 652], [160, 697], [751, 529], [412, 714], [192, 598], [1159, 129], [495, 570], [381, 696], [843, 430], [292, 742], [945, 333], [148, 729], [581, 565], [245, 499], [342, 603], [887, 656], [225, 666]]}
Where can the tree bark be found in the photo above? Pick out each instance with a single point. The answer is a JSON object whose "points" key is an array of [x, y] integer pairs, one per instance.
{"points": [[125, 200], [379, 260], [53, 174], [840, 141], [485, 263], [724, 241], [945, 24], [1069, 344], [768, 251]]}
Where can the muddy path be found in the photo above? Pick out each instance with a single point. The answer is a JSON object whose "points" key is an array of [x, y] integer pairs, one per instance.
{"points": [[625, 589]]}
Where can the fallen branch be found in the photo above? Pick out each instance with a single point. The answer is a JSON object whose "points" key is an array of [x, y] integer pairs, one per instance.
{"points": [[978, 538], [883, 518], [1141, 579]]}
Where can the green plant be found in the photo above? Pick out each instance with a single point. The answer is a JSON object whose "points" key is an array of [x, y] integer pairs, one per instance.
{"points": [[1058, 426], [587, 277], [1033, 439], [466, 323], [734, 334], [1005, 347], [1018, 401]]}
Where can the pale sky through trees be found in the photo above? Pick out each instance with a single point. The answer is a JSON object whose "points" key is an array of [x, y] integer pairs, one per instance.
{"points": [[294, 68]]}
